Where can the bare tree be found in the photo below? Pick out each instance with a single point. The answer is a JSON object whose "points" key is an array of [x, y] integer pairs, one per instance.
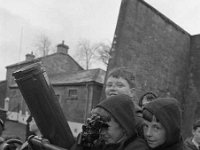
{"points": [[104, 52], [86, 53], [43, 45]]}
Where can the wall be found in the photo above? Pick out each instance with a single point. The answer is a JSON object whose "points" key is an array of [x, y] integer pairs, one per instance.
{"points": [[192, 101], [155, 48]]}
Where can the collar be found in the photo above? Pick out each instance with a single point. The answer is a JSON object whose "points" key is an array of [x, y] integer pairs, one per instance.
{"points": [[195, 143]]}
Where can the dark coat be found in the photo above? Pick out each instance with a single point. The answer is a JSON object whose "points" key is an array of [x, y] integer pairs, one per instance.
{"points": [[189, 145]]}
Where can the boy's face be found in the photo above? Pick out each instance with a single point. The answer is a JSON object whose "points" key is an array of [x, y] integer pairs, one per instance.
{"points": [[196, 134], [154, 133], [114, 133], [116, 86]]}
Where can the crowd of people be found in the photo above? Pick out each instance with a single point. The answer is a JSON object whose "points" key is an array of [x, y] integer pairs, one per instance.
{"points": [[150, 123]]}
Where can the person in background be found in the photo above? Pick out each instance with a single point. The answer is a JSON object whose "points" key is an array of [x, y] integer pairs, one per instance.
{"points": [[119, 134], [193, 143], [162, 129], [146, 98]]}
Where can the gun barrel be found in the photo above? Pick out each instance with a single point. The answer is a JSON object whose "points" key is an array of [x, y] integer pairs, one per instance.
{"points": [[42, 102]]}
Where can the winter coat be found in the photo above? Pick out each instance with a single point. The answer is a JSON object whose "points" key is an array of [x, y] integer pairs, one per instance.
{"points": [[168, 112], [189, 145], [122, 109]]}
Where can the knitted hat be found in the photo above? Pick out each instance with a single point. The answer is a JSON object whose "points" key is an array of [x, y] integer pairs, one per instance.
{"points": [[168, 112], [122, 109], [196, 124]]}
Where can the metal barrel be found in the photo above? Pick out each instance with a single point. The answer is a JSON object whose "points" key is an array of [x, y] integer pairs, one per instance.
{"points": [[42, 102]]}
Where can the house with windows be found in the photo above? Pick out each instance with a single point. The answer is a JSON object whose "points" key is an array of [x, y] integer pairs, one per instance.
{"points": [[77, 90]]}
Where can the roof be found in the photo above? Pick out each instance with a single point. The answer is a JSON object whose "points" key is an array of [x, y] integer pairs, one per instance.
{"points": [[96, 75], [39, 59], [164, 17], [80, 77]]}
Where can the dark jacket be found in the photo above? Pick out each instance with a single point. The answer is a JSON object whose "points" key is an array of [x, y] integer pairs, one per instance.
{"points": [[189, 145], [122, 109], [168, 112]]}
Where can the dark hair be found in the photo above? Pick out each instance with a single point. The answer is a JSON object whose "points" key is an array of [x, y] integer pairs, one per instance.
{"points": [[124, 73], [147, 115], [150, 97], [196, 124]]}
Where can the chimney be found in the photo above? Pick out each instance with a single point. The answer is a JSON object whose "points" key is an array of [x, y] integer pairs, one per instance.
{"points": [[30, 56], [62, 48]]}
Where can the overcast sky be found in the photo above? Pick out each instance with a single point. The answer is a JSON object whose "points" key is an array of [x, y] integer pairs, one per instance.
{"points": [[22, 21]]}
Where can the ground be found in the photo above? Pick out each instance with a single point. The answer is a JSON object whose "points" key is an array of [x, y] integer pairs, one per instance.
{"points": [[14, 129]]}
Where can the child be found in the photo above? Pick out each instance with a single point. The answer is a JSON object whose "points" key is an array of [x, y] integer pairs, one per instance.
{"points": [[193, 143], [162, 129], [122, 81], [119, 134]]}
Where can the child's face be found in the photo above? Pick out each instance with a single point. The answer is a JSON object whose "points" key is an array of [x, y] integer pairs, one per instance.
{"points": [[114, 133], [116, 86], [154, 133], [196, 134]]}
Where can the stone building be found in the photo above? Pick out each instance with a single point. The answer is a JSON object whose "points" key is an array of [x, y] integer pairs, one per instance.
{"points": [[78, 90], [163, 56]]}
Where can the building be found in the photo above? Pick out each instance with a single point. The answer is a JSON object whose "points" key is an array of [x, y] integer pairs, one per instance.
{"points": [[78, 90]]}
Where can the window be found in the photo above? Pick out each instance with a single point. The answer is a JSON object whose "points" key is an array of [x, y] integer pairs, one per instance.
{"points": [[73, 94]]}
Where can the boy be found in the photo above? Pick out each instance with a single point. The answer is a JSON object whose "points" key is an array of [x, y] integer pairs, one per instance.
{"points": [[122, 81], [119, 132], [193, 143], [162, 129]]}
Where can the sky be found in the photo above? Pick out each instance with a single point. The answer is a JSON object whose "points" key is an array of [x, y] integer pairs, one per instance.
{"points": [[23, 21]]}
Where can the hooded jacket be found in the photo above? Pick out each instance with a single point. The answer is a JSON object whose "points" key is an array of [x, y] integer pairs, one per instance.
{"points": [[122, 109], [189, 145], [168, 112]]}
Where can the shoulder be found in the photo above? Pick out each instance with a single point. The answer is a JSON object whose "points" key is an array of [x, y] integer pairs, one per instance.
{"points": [[189, 145], [138, 143]]}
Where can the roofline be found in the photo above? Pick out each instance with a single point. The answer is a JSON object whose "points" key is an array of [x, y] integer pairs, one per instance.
{"points": [[24, 62], [39, 59], [165, 18], [75, 61]]}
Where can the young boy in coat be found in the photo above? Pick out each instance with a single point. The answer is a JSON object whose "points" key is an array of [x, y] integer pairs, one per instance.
{"points": [[162, 129], [122, 81], [193, 143], [120, 133]]}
